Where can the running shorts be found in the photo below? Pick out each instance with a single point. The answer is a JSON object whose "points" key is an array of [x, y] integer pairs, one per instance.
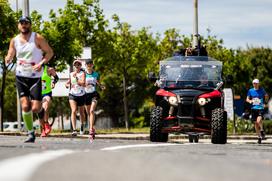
{"points": [[29, 87]]}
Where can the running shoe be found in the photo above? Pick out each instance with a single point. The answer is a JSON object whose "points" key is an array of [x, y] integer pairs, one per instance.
{"points": [[263, 135], [43, 133], [31, 137], [81, 132], [259, 140], [74, 133], [92, 135], [47, 128]]}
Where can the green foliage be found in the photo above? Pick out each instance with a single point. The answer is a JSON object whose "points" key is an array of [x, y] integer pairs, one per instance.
{"points": [[143, 118], [242, 126], [267, 126], [72, 28], [59, 106], [10, 112], [8, 27], [247, 126], [124, 62]]}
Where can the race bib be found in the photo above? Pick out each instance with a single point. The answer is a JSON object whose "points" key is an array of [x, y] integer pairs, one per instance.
{"points": [[256, 101], [90, 88], [26, 69], [76, 89], [74, 80], [43, 85]]}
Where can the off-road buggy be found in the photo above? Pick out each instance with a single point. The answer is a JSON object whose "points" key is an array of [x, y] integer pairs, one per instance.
{"points": [[186, 104]]}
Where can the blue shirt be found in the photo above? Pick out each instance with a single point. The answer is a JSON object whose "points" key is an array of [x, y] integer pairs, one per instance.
{"points": [[257, 96], [91, 81]]}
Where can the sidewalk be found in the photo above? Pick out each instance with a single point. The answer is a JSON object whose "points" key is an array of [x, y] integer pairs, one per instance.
{"points": [[140, 136]]}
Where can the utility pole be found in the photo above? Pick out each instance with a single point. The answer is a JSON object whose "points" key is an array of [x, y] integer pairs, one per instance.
{"points": [[16, 6], [19, 110], [195, 29], [26, 8]]}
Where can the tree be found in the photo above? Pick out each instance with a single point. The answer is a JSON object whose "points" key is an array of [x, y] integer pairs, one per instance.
{"points": [[126, 55], [7, 29], [10, 95], [254, 62], [72, 29]]}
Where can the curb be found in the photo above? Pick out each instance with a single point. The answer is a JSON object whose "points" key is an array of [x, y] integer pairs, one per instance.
{"points": [[132, 136]]}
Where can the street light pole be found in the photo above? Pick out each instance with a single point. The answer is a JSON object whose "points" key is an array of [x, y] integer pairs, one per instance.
{"points": [[19, 110], [26, 8], [16, 6], [195, 29]]}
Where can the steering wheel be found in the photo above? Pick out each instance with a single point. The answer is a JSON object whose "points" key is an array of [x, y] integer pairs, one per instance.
{"points": [[203, 86]]}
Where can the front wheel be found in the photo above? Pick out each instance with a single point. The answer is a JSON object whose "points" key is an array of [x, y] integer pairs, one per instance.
{"points": [[218, 126], [156, 125]]}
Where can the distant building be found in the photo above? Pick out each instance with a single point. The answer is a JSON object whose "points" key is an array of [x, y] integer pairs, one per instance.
{"points": [[60, 90]]}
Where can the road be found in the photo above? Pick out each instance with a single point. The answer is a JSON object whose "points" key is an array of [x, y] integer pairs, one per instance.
{"points": [[116, 160]]}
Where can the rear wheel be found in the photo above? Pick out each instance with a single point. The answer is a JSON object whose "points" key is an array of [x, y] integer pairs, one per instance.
{"points": [[156, 125], [218, 126]]}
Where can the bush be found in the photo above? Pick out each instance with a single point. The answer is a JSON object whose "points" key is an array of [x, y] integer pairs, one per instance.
{"points": [[242, 126], [247, 126], [268, 126]]}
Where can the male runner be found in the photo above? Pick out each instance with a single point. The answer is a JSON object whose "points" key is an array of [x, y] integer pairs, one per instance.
{"points": [[32, 51]]}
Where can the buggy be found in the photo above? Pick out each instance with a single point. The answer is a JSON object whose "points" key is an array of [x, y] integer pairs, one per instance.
{"points": [[184, 104]]}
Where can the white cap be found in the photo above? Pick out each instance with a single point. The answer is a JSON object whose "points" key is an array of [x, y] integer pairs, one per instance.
{"points": [[256, 81]]}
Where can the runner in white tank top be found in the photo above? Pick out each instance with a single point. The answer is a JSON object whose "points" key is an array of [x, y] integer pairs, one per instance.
{"points": [[28, 55], [29, 48], [76, 83]]}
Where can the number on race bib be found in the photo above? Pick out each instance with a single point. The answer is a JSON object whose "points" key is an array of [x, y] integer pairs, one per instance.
{"points": [[256, 101], [90, 88]]}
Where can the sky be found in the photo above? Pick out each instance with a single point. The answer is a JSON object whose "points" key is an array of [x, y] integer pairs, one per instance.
{"points": [[240, 23]]}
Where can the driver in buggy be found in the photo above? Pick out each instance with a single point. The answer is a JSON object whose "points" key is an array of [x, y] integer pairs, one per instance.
{"points": [[204, 80]]}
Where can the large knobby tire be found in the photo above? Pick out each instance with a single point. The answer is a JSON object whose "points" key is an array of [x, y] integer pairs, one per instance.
{"points": [[156, 124], [218, 126]]}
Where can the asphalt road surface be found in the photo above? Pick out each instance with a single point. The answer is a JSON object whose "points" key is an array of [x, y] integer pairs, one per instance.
{"points": [[129, 160]]}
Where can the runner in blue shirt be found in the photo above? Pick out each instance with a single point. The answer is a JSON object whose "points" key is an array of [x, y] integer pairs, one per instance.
{"points": [[91, 96], [257, 96]]}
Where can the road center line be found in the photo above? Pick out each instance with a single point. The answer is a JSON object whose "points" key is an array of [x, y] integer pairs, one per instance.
{"points": [[139, 146], [22, 167]]}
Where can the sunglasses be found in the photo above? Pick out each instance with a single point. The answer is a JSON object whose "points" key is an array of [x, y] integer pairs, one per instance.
{"points": [[77, 64], [24, 22]]}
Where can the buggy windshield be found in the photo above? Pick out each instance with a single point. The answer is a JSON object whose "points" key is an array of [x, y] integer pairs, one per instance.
{"points": [[190, 72]]}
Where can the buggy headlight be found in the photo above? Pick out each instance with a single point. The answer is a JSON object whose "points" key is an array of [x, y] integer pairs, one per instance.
{"points": [[201, 101], [173, 100]]}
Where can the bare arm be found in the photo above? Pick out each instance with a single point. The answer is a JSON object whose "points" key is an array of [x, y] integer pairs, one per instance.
{"points": [[102, 87], [44, 46], [68, 83], [51, 71], [266, 98], [81, 82], [11, 52], [248, 100]]}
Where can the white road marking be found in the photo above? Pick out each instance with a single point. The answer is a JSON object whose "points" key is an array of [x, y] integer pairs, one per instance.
{"points": [[140, 146], [22, 167]]}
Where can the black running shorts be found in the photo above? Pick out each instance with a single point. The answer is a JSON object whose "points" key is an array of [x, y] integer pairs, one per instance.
{"points": [[255, 113], [78, 99], [90, 97], [29, 87]]}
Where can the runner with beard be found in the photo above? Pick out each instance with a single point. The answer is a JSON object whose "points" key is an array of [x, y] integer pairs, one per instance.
{"points": [[32, 52]]}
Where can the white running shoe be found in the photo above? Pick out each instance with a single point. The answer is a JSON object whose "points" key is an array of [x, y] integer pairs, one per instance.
{"points": [[81, 132], [74, 133]]}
